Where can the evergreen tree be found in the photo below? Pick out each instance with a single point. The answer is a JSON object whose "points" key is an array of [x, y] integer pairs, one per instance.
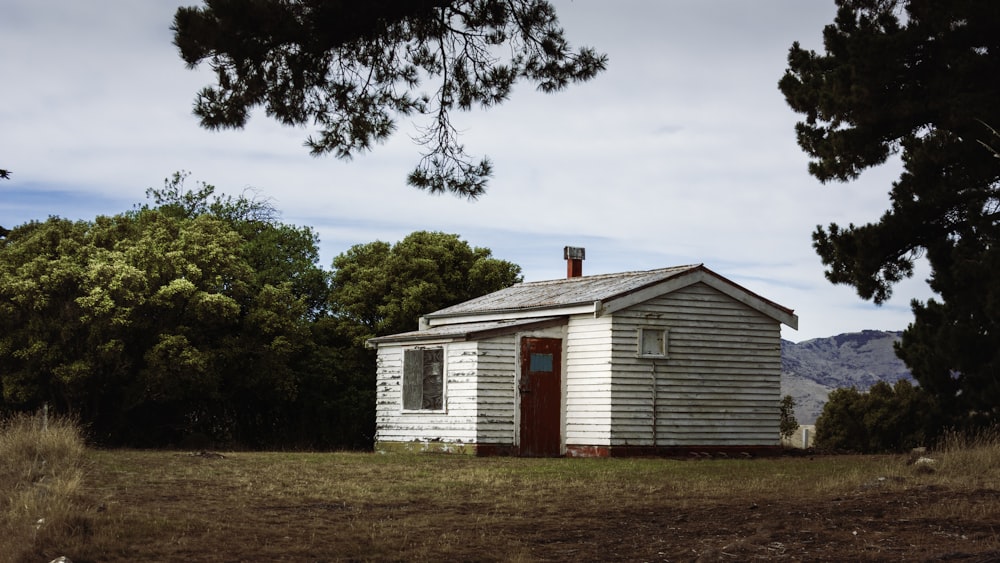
{"points": [[788, 423], [921, 79], [352, 68]]}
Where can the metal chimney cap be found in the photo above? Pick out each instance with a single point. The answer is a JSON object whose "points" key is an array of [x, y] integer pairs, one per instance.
{"points": [[574, 253]]}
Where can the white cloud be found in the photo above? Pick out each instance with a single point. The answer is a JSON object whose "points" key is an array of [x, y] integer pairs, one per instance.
{"points": [[683, 151]]}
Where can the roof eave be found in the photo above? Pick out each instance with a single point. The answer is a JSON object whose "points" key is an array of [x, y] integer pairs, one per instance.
{"points": [[433, 320], [462, 336]]}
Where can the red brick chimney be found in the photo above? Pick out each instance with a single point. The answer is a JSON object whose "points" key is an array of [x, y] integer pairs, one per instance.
{"points": [[574, 261]]}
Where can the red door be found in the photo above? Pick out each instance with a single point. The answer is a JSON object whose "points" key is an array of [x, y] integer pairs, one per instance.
{"points": [[540, 391]]}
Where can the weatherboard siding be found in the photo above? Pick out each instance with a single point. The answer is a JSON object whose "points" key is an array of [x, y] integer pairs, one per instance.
{"points": [[719, 384], [588, 382], [456, 423], [479, 396], [496, 390]]}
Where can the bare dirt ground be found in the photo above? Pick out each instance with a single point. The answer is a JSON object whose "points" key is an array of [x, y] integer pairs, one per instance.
{"points": [[868, 526], [168, 507]]}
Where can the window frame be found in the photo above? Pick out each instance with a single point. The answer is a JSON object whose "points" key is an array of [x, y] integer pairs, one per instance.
{"points": [[640, 349], [406, 373]]}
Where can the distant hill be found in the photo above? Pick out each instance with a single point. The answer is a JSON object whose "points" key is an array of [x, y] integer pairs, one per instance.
{"points": [[813, 368]]}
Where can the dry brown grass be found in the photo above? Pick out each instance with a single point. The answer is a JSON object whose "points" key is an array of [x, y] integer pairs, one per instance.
{"points": [[976, 455], [174, 506], [42, 503]]}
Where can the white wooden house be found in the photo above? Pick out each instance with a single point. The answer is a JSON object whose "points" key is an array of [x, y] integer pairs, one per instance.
{"points": [[653, 362]]}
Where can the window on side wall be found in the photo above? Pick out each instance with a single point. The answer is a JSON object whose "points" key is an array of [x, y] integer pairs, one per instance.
{"points": [[423, 379], [652, 343]]}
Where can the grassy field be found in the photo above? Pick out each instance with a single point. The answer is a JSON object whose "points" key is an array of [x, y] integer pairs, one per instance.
{"points": [[179, 506]]}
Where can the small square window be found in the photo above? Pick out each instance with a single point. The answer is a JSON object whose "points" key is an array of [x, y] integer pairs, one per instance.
{"points": [[540, 362], [652, 343]]}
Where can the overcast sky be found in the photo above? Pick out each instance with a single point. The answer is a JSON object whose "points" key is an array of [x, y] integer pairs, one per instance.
{"points": [[682, 152]]}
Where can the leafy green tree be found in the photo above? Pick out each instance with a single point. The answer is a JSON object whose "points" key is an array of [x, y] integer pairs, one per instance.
{"points": [[41, 271], [383, 289], [353, 68], [885, 419], [277, 253], [918, 79], [154, 324]]}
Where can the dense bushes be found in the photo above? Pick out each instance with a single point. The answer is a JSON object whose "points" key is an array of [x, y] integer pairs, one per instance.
{"points": [[161, 322], [885, 419]]}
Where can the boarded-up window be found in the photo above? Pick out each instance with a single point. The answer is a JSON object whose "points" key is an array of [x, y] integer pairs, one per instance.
{"points": [[652, 343], [423, 379]]}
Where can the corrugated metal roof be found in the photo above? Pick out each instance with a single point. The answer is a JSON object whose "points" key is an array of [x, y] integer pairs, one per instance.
{"points": [[563, 292]]}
